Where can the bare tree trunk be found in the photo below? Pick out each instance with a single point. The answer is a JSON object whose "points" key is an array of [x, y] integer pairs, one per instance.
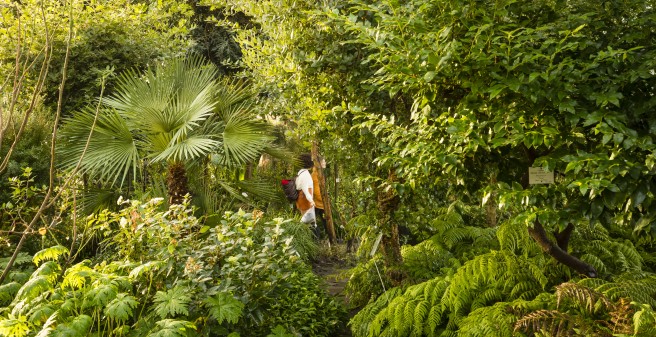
{"points": [[324, 195]]}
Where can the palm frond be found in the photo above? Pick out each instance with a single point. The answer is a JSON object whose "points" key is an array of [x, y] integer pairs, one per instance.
{"points": [[112, 150]]}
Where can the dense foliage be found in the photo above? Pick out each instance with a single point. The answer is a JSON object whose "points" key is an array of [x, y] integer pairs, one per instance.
{"points": [[165, 273], [430, 115]]}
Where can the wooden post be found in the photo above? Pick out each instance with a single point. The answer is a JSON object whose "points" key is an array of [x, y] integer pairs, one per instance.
{"points": [[324, 194]]}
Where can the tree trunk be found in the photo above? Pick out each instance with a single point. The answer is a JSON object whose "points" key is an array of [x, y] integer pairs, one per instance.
{"points": [[324, 195], [388, 203], [177, 183]]}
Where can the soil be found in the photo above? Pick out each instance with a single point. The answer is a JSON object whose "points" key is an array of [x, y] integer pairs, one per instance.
{"points": [[332, 266]]}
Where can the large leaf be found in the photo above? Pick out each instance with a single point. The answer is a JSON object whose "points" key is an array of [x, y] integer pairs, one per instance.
{"points": [[224, 307], [121, 308], [172, 302]]}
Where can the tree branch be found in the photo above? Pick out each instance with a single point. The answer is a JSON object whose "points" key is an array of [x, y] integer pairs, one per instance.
{"points": [[540, 236], [562, 238]]}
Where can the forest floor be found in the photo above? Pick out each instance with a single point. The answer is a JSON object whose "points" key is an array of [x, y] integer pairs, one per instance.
{"points": [[332, 266]]}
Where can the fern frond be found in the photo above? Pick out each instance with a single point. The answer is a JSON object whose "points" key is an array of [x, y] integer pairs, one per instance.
{"points": [[52, 253], [621, 317], [225, 308], [644, 321], [582, 296], [641, 290], [595, 261], [553, 322], [491, 321]]}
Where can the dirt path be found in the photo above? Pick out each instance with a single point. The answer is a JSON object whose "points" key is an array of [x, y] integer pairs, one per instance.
{"points": [[332, 269]]}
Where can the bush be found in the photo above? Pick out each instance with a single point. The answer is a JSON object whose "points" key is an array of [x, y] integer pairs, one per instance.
{"points": [[166, 273]]}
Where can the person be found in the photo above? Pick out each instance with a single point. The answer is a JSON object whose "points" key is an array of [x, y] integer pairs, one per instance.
{"points": [[305, 185], [318, 199]]}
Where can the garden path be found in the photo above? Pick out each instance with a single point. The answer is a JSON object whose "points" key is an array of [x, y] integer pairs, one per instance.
{"points": [[332, 269]]}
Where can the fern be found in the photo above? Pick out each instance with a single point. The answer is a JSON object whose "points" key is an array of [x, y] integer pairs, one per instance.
{"points": [[552, 322], [172, 302], [120, 308], [644, 321], [224, 307], [52, 253], [583, 297], [172, 328], [492, 321]]}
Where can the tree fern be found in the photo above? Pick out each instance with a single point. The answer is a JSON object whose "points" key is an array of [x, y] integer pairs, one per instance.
{"points": [[444, 302], [425, 260], [490, 321], [172, 302]]}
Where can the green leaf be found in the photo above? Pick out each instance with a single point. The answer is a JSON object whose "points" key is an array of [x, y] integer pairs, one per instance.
{"points": [[14, 327], [52, 253], [172, 328], [172, 302], [78, 327], [224, 307], [120, 308], [429, 76], [279, 331]]}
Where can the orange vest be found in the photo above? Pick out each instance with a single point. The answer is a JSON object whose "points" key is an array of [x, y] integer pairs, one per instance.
{"points": [[316, 195]]}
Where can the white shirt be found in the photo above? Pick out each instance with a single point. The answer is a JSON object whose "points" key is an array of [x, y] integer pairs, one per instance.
{"points": [[304, 183]]}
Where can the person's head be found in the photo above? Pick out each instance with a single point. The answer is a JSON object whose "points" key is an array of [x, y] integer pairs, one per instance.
{"points": [[306, 160]]}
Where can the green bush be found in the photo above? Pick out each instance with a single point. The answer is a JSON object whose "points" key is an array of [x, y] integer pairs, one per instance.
{"points": [[165, 273]]}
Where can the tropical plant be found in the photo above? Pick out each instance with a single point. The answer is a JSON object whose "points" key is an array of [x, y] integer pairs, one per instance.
{"points": [[165, 273], [176, 113]]}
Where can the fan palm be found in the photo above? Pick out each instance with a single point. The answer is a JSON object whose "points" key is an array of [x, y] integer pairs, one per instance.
{"points": [[175, 114]]}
